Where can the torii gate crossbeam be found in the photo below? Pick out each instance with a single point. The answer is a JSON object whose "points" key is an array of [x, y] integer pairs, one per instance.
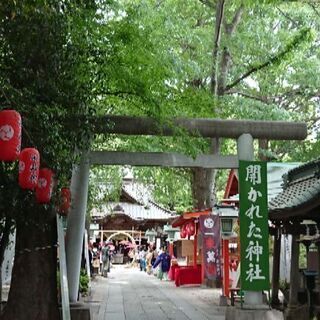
{"points": [[163, 159], [200, 127]]}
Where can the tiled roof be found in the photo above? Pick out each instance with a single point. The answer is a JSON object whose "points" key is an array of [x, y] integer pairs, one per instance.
{"points": [[134, 211], [143, 208], [276, 171], [296, 194], [301, 186]]}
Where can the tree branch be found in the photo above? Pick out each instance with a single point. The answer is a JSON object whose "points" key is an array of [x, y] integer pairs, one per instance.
{"points": [[273, 60], [288, 17], [279, 98], [231, 27], [226, 56], [217, 37], [117, 93], [314, 9], [208, 3], [304, 91], [265, 100], [249, 72]]}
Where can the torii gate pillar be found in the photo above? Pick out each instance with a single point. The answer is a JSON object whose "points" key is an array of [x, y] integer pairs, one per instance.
{"points": [[76, 224]]}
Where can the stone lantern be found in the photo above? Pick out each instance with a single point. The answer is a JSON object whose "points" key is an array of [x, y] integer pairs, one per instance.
{"points": [[151, 235]]}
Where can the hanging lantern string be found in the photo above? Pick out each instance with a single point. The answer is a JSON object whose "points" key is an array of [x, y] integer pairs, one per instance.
{"points": [[28, 250]]}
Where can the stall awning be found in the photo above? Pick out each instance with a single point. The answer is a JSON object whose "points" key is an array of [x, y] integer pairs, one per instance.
{"points": [[189, 215]]}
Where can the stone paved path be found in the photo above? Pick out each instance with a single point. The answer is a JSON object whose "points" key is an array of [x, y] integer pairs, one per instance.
{"points": [[128, 294]]}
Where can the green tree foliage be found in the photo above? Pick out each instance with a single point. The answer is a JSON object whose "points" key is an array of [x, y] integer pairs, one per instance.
{"points": [[266, 62], [162, 66], [104, 186], [44, 58]]}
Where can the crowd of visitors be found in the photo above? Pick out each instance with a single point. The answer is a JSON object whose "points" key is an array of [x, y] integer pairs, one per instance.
{"points": [[149, 260], [154, 262], [100, 258]]}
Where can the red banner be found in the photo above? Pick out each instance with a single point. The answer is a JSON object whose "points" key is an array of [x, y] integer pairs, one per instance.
{"points": [[210, 230]]}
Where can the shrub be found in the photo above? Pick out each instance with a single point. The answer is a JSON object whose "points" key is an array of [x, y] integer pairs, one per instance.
{"points": [[84, 282]]}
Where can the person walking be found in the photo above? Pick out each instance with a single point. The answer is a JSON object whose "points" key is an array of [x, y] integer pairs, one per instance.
{"points": [[164, 260], [142, 259], [149, 261], [154, 255], [105, 260]]}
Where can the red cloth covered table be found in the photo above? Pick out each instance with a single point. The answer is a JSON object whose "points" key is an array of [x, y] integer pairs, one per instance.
{"points": [[172, 272], [187, 275]]}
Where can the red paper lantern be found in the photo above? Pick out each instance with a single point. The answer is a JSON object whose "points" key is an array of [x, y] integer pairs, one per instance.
{"points": [[45, 186], [10, 135], [183, 232], [29, 163], [65, 200], [190, 228]]}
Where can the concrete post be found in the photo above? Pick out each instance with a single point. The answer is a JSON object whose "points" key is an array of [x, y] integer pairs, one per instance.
{"points": [[246, 152], [276, 270], [294, 273], [294, 311], [76, 225]]}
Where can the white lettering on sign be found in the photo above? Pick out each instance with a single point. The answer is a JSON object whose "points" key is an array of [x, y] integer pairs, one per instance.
{"points": [[253, 195], [253, 210], [254, 231], [254, 273], [254, 250], [210, 256], [254, 174]]}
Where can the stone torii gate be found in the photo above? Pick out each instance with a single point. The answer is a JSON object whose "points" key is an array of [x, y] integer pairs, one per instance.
{"points": [[244, 131]]}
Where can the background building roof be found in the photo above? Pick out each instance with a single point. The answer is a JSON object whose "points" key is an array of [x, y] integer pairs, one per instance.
{"points": [[135, 202], [300, 194]]}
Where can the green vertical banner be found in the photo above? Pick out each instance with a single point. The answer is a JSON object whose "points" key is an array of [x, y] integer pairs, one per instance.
{"points": [[254, 233]]}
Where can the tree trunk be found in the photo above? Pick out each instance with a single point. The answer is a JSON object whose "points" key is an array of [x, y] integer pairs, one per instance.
{"points": [[263, 147], [201, 187], [203, 183], [203, 180], [33, 291]]}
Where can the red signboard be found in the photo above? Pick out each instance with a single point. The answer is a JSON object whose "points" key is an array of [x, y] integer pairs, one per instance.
{"points": [[210, 230]]}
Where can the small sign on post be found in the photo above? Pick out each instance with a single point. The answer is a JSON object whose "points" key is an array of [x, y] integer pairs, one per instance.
{"points": [[254, 233]]}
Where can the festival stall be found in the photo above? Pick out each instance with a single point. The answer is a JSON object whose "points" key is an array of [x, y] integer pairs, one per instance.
{"points": [[198, 251]]}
